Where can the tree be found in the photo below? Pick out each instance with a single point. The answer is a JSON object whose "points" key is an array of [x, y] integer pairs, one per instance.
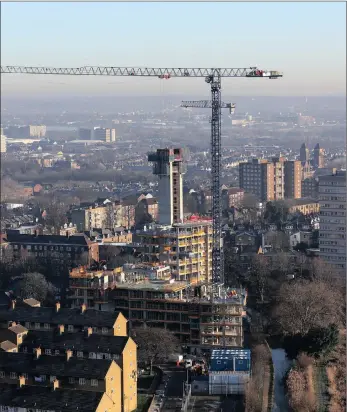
{"points": [[304, 305], [34, 285], [55, 210], [154, 344], [260, 271], [322, 341]]}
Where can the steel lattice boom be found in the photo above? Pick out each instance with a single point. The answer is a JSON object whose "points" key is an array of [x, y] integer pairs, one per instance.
{"points": [[164, 73], [213, 77]]}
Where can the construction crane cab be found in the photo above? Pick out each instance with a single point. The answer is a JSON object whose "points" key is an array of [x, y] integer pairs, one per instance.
{"points": [[255, 73], [164, 76]]}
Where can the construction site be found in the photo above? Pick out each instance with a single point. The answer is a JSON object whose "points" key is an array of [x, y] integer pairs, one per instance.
{"points": [[193, 303]]}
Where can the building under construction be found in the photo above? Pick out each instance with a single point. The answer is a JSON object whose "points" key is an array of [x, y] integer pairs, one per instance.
{"points": [[169, 166], [186, 247], [202, 319]]}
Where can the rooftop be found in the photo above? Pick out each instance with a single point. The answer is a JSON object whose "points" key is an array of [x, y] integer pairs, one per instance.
{"points": [[80, 341], [7, 345], [230, 353], [54, 365], [89, 317], [45, 398], [76, 239]]}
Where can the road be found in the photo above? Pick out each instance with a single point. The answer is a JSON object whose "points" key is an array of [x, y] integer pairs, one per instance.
{"points": [[174, 388]]}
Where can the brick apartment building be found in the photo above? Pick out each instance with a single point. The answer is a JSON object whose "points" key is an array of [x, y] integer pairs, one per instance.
{"points": [[61, 350], [62, 250]]}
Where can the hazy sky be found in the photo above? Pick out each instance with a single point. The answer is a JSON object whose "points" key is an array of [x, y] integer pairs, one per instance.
{"points": [[307, 41]]}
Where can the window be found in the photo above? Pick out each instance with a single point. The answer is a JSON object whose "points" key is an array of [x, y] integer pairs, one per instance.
{"points": [[104, 330], [52, 378], [72, 380], [37, 325], [2, 374], [218, 362], [13, 375], [27, 325], [82, 381], [70, 328], [25, 375], [47, 326], [56, 352], [94, 382], [80, 354], [48, 352], [24, 349]]}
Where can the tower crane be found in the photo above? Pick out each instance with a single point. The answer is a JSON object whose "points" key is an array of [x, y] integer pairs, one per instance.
{"points": [[213, 77]]}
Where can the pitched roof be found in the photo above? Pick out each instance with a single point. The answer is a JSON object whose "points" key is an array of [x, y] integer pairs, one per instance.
{"points": [[45, 398], [76, 239], [18, 329], [7, 345], [64, 316], [75, 341], [54, 365]]}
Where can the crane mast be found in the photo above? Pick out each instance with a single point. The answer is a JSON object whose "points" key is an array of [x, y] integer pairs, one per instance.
{"points": [[213, 77]]}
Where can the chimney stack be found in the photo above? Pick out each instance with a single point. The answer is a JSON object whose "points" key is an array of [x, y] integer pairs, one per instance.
{"points": [[83, 308], [61, 329], [89, 331], [56, 384], [38, 353], [68, 354], [13, 304], [57, 306], [21, 381], [12, 324]]}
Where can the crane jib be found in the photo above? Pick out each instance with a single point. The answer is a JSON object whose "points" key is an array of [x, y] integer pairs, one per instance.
{"points": [[162, 73]]}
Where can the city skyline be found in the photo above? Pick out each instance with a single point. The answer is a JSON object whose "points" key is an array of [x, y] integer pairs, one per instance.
{"points": [[289, 37]]}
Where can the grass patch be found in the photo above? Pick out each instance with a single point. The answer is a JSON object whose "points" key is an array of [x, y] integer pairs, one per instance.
{"points": [[143, 402], [144, 382]]}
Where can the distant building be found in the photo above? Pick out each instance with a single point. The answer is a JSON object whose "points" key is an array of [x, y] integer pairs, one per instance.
{"points": [[85, 134], [3, 144], [301, 237], [318, 157], [309, 187], [278, 173], [304, 154], [232, 197], [105, 135], [332, 229], [257, 177], [304, 206], [37, 131], [292, 179]]}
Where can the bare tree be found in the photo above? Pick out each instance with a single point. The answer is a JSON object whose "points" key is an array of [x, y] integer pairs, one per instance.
{"points": [[34, 285], [260, 272], [155, 344], [278, 240], [55, 210], [304, 305], [282, 262]]}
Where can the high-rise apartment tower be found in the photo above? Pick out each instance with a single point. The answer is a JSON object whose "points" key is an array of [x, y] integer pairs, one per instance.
{"points": [[318, 157], [304, 154], [292, 179], [332, 226]]}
